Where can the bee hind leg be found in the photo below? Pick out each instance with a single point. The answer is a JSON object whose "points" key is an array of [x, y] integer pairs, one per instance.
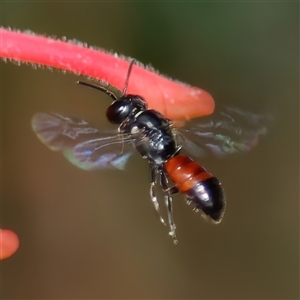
{"points": [[169, 204]]}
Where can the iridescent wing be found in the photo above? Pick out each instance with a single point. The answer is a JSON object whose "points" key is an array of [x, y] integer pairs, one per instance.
{"points": [[225, 132], [84, 146]]}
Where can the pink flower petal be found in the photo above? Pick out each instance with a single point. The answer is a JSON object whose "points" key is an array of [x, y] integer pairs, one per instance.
{"points": [[9, 243]]}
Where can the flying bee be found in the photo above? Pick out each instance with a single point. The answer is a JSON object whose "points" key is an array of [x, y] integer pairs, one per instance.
{"points": [[156, 139]]}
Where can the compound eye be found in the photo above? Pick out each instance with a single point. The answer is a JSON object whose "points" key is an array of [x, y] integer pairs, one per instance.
{"points": [[118, 111]]}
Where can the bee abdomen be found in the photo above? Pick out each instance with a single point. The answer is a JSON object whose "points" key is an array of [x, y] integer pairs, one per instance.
{"points": [[201, 187]]}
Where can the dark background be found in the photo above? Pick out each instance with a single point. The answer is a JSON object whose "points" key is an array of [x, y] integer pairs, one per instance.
{"points": [[95, 234]]}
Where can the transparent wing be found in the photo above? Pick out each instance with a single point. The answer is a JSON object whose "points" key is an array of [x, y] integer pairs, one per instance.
{"points": [[60, 132], [84, 146], [225, 132], [102, 153]]}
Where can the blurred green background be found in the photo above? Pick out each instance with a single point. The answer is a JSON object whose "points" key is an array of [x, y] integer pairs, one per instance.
{"points": [[96, 235]]}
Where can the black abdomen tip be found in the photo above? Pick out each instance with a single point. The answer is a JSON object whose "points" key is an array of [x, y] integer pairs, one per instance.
{"points": [[208, 196]]}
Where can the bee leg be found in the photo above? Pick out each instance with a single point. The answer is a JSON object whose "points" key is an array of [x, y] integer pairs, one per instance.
{"points": [[153, 194], [169, 204]]}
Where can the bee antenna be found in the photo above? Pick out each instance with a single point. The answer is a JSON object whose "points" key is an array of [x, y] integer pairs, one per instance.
{"points": [[127, 77], [100, 88]]}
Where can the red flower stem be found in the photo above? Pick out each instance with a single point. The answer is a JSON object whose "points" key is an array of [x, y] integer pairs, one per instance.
{"points": [[176, 100]]}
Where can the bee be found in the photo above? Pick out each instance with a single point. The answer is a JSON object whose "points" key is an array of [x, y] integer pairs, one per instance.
{"points": [[159, 142]]}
